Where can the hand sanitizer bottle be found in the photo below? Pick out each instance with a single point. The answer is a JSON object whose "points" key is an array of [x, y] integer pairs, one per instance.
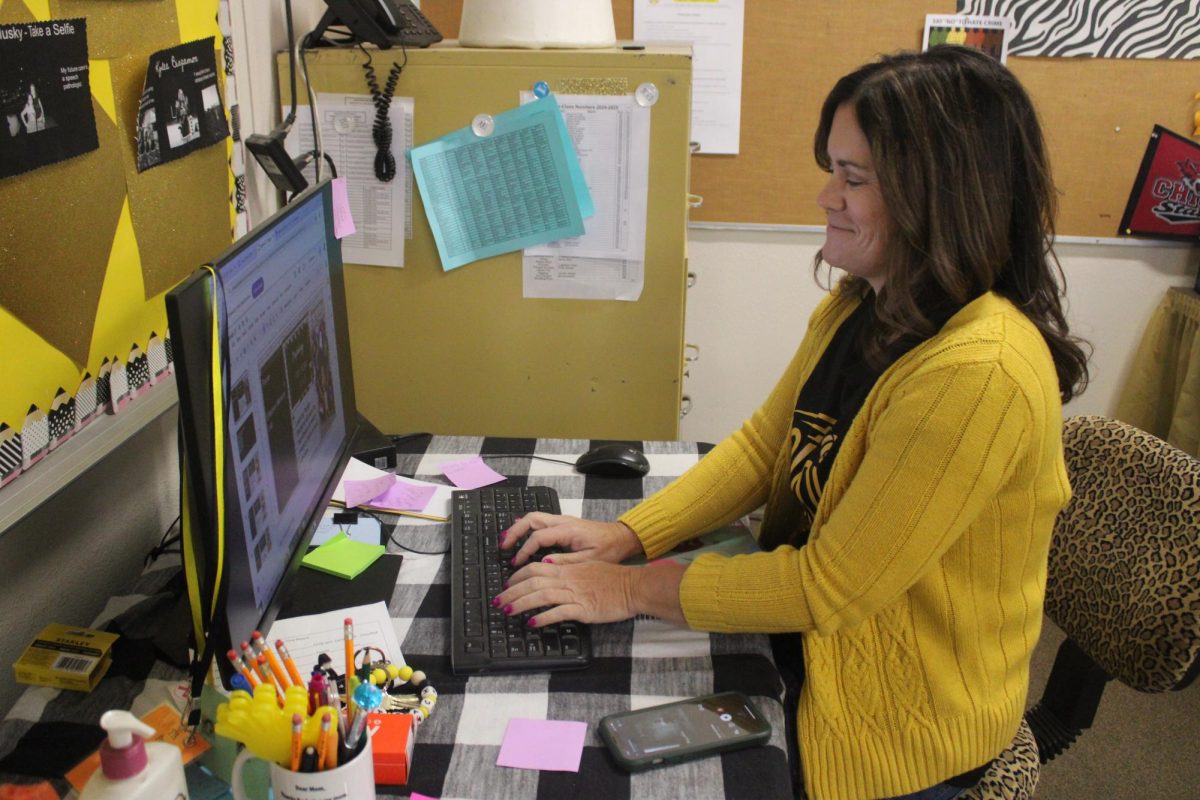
{"points": [[132, 768]]}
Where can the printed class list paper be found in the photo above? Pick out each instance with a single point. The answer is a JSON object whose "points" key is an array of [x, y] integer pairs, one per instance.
{"points": [[502, 184], [611, 136]]}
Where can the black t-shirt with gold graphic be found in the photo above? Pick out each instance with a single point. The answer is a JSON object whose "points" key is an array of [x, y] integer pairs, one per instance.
{"points": [[827, 404]]}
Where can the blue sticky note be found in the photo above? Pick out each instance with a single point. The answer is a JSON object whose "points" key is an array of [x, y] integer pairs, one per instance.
{"points": [[512, 189], [366, 530]]}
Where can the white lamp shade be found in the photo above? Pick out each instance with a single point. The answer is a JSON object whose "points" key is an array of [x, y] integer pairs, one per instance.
{"points": [[536, 24]]}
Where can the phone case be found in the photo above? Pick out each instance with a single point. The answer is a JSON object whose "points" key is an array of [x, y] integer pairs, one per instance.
{"points": [[684, 753]]}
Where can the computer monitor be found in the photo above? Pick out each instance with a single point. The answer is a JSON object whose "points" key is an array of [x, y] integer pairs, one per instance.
{"points": [[278, 432]]}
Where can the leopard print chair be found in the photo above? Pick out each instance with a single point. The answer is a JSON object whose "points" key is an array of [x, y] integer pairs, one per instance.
{"points": [[1124, 585]]}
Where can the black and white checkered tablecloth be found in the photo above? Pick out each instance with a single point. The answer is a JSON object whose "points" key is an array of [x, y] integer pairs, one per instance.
{"points": [[635, 663]]}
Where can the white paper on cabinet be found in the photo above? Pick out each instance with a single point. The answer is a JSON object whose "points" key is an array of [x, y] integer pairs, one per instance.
{"points": [[382, 211], [715, 30], [611, 136]]}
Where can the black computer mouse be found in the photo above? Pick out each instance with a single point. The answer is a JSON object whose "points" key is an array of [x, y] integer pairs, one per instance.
{"points": [[613, 461]]}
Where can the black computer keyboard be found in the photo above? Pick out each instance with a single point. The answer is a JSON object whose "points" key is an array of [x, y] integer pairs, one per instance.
{"points": [[483, 639]]}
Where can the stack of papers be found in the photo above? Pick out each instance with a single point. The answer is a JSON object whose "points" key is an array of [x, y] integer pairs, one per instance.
{"points": [[344, 557], [364, 486]]}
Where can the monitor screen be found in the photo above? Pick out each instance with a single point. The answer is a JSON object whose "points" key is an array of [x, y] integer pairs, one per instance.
{"points": [[288, 414]]}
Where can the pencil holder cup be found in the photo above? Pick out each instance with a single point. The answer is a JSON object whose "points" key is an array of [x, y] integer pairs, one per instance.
{"points": [[353, 779]]}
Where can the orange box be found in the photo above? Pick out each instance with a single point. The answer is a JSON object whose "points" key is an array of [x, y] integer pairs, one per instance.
{"points": [[392, 742]]}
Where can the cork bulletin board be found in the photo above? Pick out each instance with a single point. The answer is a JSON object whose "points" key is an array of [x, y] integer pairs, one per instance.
{"points": [[89, 245], [1098, 113]]}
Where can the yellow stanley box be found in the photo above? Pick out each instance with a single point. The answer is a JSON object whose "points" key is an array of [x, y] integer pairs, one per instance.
{"points": [[66, 657]]}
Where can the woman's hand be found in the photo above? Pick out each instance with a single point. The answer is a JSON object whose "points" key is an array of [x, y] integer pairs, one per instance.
{"points": [[586, 539], [593, 591]]}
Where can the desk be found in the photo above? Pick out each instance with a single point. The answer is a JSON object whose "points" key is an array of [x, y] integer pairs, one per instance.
{"points": [[636, 663]]}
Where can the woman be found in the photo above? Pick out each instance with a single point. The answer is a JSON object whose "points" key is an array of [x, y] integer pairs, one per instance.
{"points": [[910, 458]]}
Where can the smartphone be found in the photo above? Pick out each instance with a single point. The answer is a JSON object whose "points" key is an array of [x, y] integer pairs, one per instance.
{"points": [[680, 731]]}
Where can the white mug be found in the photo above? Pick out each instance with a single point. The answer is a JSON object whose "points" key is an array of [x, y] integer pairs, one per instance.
{"points": [[352, 780]]}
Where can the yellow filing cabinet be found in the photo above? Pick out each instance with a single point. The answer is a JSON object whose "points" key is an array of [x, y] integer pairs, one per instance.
{"points": [[463, 352]]}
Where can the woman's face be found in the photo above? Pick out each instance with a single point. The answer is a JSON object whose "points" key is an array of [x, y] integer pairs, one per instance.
{"points": [[857, 222]]}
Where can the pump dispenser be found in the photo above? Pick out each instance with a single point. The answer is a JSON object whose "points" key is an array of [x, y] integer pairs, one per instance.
{"points": [[132, 768]]}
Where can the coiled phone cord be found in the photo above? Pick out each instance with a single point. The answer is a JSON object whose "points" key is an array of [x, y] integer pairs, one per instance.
{"points": [[381, 131]]}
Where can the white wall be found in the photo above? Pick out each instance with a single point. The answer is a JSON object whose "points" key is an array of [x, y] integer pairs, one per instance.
{"points": [[259, 32], [754, 291]]}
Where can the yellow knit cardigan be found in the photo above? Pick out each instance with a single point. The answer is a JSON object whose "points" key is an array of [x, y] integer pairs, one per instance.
{"points": [[920, 590]]}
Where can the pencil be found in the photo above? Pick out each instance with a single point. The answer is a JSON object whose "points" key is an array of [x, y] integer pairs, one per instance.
{"points": [[251, 660], [323, 741], [292, 671], [348, 635], [331, 748], [241, 667], [297, 741], [260, 646], [269, 678]]}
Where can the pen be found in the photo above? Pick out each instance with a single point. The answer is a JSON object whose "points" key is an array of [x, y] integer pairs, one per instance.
{"points": [[323, 741], [309, 763], [351, 709], [297, 744], [368, 699], [316, 692], [356, 729], [292, 671], [335, 700]]}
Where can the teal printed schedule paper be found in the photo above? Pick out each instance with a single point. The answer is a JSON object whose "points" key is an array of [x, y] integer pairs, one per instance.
{"points": [[505, 183]]}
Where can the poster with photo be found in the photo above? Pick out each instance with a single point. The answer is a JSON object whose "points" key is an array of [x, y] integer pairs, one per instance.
{"points": [[986, 34], [45, 97], [180, 110]]}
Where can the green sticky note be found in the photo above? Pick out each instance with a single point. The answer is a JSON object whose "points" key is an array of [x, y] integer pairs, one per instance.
{"points": [[344, 557]]}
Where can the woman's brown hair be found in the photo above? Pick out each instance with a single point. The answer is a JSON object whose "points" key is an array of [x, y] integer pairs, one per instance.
{"points": [[963, 169]]}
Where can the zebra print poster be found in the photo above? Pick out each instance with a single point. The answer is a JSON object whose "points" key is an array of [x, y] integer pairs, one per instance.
{"points": [[1097, 28]]}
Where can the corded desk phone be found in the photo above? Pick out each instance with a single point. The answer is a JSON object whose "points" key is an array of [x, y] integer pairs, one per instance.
{"points": [[383, 23]]}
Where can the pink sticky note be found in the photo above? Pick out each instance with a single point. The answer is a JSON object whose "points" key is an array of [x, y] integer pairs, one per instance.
{"points": [[419, 796], [471, 473], [404, 497], [553, 745], [343, 220], [359, 492]]}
